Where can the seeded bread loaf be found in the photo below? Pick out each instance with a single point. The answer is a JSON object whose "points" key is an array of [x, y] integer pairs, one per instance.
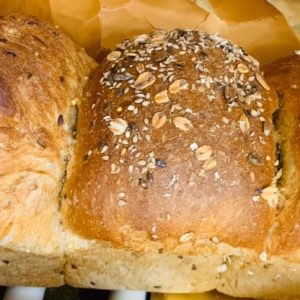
{"points": [[41, 73], [281, 271], [172, 170], [174, 179]]}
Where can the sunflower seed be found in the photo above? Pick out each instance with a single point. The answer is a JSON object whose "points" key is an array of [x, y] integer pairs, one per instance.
{"points": [[118, 126]]}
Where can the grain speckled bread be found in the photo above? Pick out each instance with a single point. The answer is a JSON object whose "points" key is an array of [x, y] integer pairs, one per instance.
{"points": [[172, 169], [41, 73], [173, 186]]}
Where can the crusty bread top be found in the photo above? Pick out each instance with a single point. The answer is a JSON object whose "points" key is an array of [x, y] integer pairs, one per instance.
{"points": [[284, 75], [42, 72], [175, 144]]}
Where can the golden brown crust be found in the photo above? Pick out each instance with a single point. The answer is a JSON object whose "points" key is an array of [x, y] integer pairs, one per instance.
{"points": [[283, 74], [41, 72], [186, 164]]}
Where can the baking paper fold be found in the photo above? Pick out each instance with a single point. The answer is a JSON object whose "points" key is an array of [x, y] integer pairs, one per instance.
{"points": [[261, 27], [291, 11], [255, 25]]}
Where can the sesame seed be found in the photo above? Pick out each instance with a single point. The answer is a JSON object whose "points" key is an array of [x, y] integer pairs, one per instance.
{"points": [[135, 139], [222, 268], [148, 137], [215, 239], [263, 256], [130, 168], [142, 163], [193, 146], [225, 120], [122, 203], [255, 198], [186, 237]]}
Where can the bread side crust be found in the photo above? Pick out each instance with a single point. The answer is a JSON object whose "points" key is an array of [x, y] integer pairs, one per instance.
{"points": [[28, 269]]}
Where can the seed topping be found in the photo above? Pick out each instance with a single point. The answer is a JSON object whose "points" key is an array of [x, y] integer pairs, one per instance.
{"points": [[186, 237], [159, 119], [114, 55], [118, 126], [161, 97], [183, 123], [144, 80], [177, 85], [261, 81]]}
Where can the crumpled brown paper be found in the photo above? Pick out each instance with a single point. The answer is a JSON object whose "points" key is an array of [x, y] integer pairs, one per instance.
{"points": [[291, 11], [256, 25]]}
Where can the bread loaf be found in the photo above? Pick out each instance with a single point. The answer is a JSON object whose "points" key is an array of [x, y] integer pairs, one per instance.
{"points": [[41, 78], [174, 178], [180, 175]]}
